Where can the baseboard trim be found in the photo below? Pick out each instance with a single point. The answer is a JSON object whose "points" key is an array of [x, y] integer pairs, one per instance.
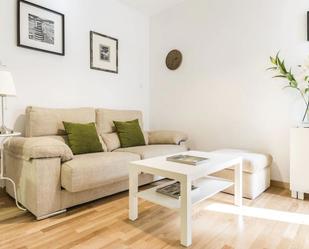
{"points": [[280, 184]]}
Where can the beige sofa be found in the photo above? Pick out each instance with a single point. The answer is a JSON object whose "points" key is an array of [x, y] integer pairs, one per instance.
{"points": [[50, 178]]}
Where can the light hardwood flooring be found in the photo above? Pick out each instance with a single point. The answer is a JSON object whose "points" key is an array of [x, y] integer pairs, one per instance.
{"points": [[104, 224]]}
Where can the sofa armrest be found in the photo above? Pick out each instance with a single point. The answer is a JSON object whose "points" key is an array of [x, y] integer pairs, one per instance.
{"points": [[38, 147], [166, 137]]}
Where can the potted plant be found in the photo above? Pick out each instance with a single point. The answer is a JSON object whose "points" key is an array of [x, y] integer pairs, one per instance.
{"points": [[301, 85]]}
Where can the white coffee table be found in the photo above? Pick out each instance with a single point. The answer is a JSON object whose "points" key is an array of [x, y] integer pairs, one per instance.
{"points": [[185, 174]]}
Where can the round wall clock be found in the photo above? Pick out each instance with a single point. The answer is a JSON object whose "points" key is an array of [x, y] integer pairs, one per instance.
{"points": [[173, 59]]}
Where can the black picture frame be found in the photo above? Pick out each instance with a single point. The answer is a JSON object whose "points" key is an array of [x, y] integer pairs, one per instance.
{"points": [[92, 66], [19, 44]]}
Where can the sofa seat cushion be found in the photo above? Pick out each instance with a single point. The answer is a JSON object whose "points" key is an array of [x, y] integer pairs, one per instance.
{"points": [[252, 162], [93, 170], [149, 151]]}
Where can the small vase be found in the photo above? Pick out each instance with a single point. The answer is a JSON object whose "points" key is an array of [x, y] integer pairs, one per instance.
{"points": [[305, 120]]}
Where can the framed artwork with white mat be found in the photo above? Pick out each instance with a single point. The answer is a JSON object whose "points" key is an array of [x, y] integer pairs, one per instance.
{"points": [[103, 52], [40, 28]]}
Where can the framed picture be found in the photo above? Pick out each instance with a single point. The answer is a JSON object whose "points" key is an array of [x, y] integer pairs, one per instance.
{"points": [[308, 26], [103, 52], [40, 28]]}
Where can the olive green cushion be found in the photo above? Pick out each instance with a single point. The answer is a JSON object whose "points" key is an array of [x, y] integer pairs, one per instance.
{"points": [[82, 138], [130, 133]]}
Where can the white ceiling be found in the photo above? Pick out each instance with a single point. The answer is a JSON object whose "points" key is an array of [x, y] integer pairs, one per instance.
{"points": [[151, 7]]}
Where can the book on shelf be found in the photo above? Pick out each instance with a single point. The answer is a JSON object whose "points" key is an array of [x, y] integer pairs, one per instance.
{"points": [[187, 159], [172, 190]]}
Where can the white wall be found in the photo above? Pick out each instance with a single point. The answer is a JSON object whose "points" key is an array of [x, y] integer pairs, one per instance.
{"points": [[222, 96], [48, 80]]}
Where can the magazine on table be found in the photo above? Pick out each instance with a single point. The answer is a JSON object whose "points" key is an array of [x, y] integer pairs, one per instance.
{"points": [[187, 159], [172, 190]]}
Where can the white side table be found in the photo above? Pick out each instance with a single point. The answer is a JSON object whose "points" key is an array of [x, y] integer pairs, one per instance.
{"points": [[4, 138], [299, 162]]}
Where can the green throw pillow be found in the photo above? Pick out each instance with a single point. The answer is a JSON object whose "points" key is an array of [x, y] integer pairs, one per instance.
{"points": [[83, 138], [130, 133]]}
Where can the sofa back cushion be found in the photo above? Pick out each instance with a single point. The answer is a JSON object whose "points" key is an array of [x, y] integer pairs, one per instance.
{"points": [[105, 118], [47, 121]]}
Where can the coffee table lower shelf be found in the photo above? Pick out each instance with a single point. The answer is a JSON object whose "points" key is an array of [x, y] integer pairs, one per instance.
{"points": [[207, 187]]}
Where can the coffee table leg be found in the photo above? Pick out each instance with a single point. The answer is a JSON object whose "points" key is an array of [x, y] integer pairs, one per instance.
{"points": [[185, 212], [133, 189], [238, 184]]}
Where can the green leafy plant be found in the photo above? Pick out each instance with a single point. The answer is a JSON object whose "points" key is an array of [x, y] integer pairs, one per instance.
{"points": [[278, 65]]}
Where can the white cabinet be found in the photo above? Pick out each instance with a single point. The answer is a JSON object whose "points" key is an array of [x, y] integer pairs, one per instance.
{"points": [[299, 162]]}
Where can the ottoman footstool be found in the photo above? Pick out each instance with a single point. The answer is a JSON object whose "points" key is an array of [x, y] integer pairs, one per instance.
{"points": [[256, 172]]}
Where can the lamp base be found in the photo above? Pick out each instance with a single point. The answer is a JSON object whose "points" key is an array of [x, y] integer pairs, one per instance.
{"points": [[5, 130]]}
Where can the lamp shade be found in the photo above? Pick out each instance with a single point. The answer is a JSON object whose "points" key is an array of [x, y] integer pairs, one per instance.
{"points": [[7, 87]]}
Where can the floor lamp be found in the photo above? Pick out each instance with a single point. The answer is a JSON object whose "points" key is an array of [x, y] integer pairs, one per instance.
{"points": [[7, 88]]}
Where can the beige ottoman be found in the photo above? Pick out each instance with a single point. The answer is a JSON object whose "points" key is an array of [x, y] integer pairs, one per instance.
{"points": [[256, 172]]}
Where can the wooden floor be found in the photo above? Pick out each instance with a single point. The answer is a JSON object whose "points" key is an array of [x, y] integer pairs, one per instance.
{"points": [[104, 224]]}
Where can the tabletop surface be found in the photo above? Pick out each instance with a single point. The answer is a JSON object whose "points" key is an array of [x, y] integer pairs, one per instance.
{"points": [[215, 162]]}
